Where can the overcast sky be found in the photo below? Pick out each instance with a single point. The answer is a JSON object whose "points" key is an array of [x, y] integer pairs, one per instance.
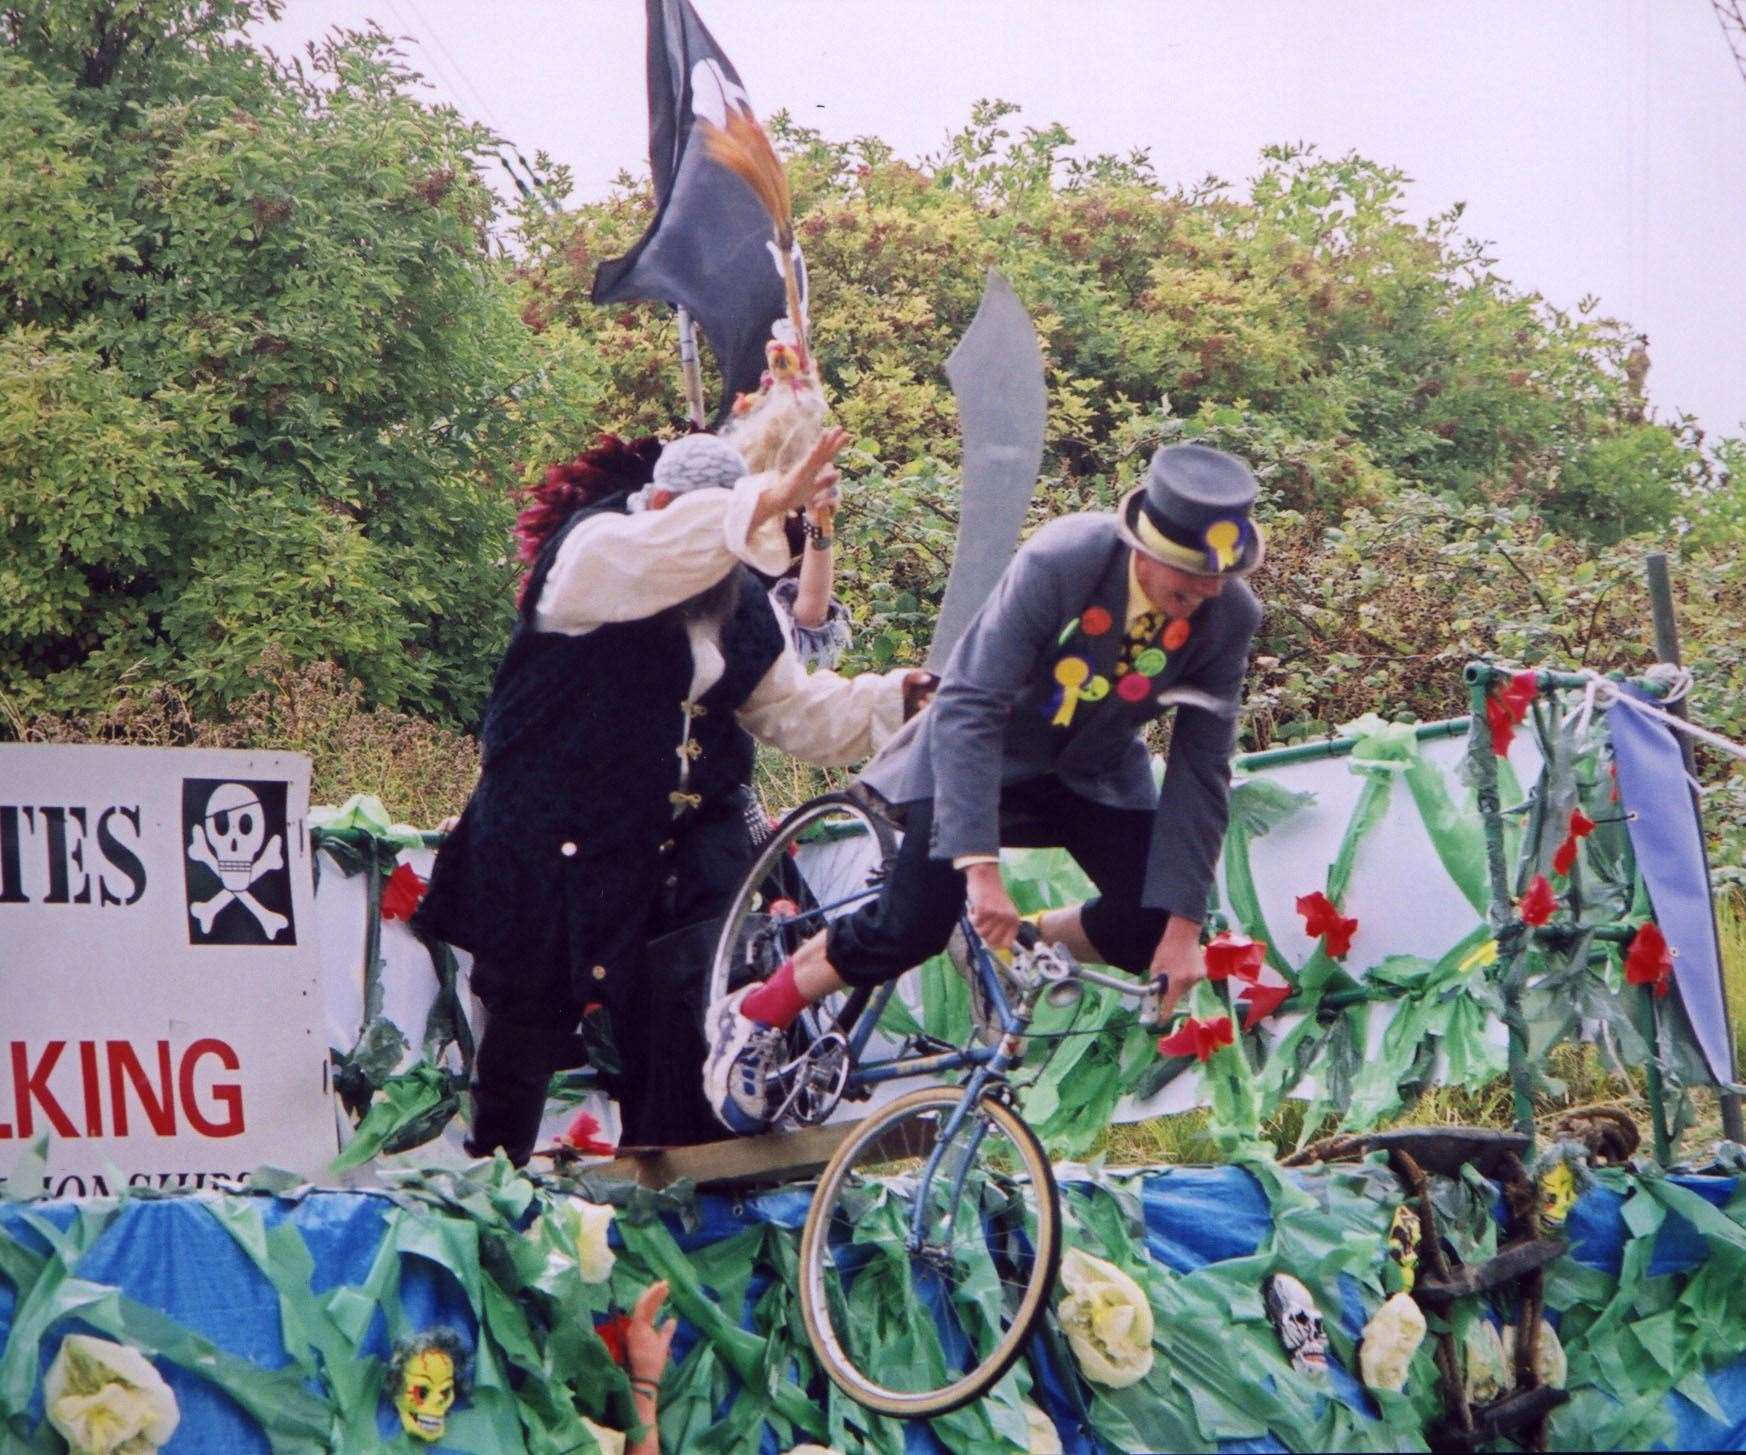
{"points": [[1600, 144]]}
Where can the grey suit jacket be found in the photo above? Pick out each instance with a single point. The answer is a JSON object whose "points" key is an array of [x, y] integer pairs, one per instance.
{"points": [[992, 720]]}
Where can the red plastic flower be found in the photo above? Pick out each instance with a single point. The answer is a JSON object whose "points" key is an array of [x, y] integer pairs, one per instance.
{"points": [[402, 892], [1648, 961], [612, 1334], [1506, 708], [1538, 903], [1521, 692], [1581, 826], [1337, 940], [1502, 725], [1320, 918], [1197, 1038], [1317, 910], [580, 1136], [1262, 1001], [1238, 955]]}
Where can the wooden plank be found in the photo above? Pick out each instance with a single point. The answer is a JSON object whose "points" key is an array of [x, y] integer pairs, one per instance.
{"points": [[1510, 1263], [777, 1157]]}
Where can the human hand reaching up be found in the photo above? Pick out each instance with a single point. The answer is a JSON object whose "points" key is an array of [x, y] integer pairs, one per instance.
{"points": [[645, 1343], [796, 488]]}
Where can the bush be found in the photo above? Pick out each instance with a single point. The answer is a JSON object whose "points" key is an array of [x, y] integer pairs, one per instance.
{"points": [[422, 772], [253, 367]]}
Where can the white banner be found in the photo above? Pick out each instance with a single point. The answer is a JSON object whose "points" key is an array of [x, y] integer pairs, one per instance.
{"points": [[160, 991]]}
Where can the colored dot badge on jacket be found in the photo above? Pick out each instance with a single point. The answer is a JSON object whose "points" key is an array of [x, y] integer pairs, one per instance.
{"points": [[1074, 683], [1070, 675]]}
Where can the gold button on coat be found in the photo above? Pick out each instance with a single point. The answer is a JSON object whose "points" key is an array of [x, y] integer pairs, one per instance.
{"points": [[600, 972]]}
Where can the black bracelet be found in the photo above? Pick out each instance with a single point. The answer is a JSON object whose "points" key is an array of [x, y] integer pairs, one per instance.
{"points": [[817, 537]]}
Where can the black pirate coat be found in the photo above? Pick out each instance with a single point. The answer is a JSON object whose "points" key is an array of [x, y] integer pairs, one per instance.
{"points": [[595, 762]]}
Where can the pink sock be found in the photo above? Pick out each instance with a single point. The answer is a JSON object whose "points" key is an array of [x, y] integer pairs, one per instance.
{"points": [[777, 1001]]}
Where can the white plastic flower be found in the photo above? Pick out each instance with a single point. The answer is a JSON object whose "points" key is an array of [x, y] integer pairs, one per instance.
{"points": [[106, 1399], [589, 1222], [1550, 1362], [1045, 1439], [1488, 1374], [611, 1442], [1390, 1340], [1107, 1320]]}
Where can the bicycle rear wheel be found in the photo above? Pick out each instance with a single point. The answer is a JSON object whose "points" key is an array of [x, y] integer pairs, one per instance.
{"points": [[752, 942], [920, 1331]]}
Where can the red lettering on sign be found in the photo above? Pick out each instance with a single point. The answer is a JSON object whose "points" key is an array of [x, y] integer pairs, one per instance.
{"points": [[31, 1085], [159, 1107], [226, 1094], [93, 1088]]}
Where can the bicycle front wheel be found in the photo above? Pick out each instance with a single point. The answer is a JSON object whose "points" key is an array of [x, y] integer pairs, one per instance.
{"points": [[920, 1288]]}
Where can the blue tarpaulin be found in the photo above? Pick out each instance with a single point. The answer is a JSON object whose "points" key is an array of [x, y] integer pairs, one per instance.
{"points": [[173, 1255]]}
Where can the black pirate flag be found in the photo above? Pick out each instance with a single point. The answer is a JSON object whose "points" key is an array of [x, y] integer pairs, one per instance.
{"points": [[709, 249]]}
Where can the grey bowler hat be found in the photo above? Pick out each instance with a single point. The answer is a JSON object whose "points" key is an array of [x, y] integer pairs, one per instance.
{"points": [[1192, 512]]}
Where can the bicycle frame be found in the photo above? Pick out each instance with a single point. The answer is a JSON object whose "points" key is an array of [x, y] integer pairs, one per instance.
{"points": [[988, 1064]]}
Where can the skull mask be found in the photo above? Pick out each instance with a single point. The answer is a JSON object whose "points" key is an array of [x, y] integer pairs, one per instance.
{"points": [[430, 1377], [1403, 1245], [236, 828], [1558, 1193], [1298, 1322]]}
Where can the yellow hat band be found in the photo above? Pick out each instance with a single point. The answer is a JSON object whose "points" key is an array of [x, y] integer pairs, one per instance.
{"points": [[1167, 550]]}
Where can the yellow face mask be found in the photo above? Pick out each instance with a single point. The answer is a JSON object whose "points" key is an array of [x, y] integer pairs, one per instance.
{"points": [[1557, 1193], [1403, 1245], [427, 1391]]}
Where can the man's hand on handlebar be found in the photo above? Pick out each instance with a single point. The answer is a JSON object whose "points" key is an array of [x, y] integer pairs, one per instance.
{"points": [[1178, 961], [992, 912]]}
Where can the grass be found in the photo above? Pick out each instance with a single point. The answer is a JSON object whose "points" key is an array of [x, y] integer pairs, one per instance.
{"points": [[1731, 924]]}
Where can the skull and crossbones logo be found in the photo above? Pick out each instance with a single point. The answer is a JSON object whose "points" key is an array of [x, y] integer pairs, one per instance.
{"points": [[231, 840]]}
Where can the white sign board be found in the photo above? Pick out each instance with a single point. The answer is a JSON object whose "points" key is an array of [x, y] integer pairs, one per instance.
{"points": [[160, 999]]}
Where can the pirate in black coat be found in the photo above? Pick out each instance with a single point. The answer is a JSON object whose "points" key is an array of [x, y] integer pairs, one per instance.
{"points": [[617, 746]]}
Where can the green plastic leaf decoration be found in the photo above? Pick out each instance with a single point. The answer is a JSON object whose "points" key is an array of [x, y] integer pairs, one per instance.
{"points": [[408, 1110]]}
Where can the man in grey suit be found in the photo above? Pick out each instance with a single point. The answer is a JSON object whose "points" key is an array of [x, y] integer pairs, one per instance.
{"points": [[1100, 624]]}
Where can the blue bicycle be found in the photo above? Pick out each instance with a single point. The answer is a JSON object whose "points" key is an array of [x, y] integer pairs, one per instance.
{"points": [[943, 1196]]}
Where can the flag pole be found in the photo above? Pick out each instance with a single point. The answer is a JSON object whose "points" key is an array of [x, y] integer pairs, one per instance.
{"points": [[688, 362]]}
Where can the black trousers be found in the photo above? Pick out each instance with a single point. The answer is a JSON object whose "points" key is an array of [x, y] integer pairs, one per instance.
{"points": [[658, 1083], [918, 907]]}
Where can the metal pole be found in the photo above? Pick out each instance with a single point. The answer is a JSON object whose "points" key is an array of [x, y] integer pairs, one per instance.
{"points": [[1506, 925], [1667, 649], [693, 370]]}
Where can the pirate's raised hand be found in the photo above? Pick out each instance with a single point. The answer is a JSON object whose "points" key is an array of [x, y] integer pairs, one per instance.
{"points": [[795, 488]]}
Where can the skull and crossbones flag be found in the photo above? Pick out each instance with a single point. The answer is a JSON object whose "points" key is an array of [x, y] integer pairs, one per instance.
{"points": [[709, 249]]}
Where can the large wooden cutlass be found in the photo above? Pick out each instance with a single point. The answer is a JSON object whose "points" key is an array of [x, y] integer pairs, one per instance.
{"points": [[996, 374]]}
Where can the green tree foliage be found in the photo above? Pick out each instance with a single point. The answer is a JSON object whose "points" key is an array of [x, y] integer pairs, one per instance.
{"points": [[265, 383], [1453, 466], [256, 364]]}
